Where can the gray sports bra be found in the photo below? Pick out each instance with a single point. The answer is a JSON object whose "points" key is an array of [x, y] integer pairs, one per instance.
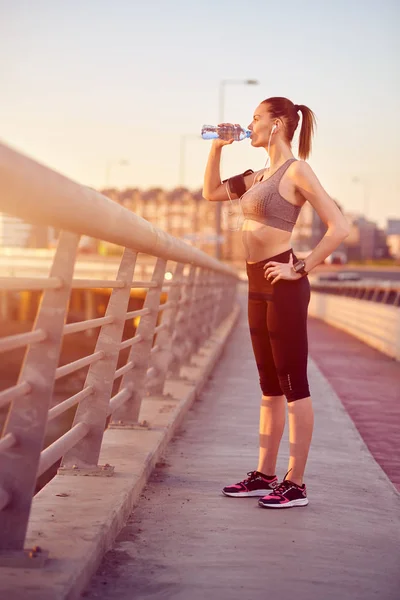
{"points": [[263, 202]]}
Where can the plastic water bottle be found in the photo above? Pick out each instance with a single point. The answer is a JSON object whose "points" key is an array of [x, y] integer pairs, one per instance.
{"points": [[225, 132]]}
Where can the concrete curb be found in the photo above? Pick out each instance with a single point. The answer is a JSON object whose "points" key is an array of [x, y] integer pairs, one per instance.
{"points": [[78, 518]]}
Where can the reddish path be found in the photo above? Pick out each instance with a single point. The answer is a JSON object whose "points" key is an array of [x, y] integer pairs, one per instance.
{"points": [[368, 384]]}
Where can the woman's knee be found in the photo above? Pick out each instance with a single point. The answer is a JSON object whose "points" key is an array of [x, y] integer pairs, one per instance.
{"points": [[269, 398], [293, 381]]}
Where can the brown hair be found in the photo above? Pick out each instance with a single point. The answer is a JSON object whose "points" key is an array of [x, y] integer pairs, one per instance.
{"points": [[289, 113]]}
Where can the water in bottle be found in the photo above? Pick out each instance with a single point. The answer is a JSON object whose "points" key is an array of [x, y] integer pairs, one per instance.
{"points": [[225, 132]]}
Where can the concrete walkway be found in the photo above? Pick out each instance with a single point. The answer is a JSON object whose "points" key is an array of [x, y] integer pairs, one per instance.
{"points": [[368, 384], [186, 541]]}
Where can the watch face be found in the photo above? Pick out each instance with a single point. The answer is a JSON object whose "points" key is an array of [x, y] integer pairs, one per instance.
{"points": [[299, 265]]}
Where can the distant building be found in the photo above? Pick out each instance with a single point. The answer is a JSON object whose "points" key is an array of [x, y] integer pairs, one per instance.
{"points": [[393, 237], [366, 241]]}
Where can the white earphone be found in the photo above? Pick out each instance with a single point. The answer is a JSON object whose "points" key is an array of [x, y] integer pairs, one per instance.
{"points": [[274, 128]]}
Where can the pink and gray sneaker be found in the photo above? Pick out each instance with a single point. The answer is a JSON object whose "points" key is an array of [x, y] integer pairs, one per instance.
{"points": [[285, 495], [256, 484]]}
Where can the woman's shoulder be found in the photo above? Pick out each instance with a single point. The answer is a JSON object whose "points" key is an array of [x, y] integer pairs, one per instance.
{"points": [[300, 169]]}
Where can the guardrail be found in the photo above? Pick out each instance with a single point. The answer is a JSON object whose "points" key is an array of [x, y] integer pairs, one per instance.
{"points": [[200, 295], [369, 310], [372, 290]]}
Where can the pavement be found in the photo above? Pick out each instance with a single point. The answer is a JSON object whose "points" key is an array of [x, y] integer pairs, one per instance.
{"points": [[186, 541], [368, 385], [75, 518]]}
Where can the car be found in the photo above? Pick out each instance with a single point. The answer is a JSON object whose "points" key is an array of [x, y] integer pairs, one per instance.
{"points": [[348, 276], [328, 277]]}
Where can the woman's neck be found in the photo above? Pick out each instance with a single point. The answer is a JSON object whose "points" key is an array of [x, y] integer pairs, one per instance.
{"points": [[279, 153]]}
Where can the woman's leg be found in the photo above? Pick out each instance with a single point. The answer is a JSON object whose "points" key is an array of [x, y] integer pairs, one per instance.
{"points": [[272, 424], [273, 402], [301, 424], [287, 323]]}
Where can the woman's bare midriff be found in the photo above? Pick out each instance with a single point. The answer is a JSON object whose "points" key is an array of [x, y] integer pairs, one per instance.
{"points": [[262, 241]]}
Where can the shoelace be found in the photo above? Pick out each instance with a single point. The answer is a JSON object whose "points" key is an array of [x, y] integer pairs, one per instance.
{"points": [[251, 476], [283, 486]]}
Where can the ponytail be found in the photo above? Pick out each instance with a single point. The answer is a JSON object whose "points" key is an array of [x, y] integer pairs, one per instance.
{"points": [[306, 132]]}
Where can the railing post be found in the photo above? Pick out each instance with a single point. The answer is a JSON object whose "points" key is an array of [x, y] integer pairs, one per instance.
{"points": [[208, 303], [135, 380], [93, 410], [27, 416], [197, 314], [180, 337], [224, 299], [193, 317], [162, 359]]}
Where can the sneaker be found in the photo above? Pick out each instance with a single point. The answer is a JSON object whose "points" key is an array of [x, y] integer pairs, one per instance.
{"points": [[285, 495], [256, 484]]}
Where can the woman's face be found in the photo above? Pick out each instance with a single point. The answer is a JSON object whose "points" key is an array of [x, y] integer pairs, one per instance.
{"points": [[261, 126]]}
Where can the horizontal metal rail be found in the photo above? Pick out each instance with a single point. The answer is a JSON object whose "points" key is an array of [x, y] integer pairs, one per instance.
{"points": [[37, 194], [30, 283], [143, 284], [59, 409], [12, 342], [136, 339], [12, 393], [137, 313], [79, 284], [167, 305], [78, 364], [117, 400], [160, 328], [151, 373], [54, 452], [85, 325], [125, 369]]}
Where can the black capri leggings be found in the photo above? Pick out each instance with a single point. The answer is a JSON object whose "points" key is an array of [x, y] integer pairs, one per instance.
{"points": [[278, 328]]}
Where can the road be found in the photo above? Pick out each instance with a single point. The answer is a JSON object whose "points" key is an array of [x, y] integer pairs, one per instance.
{"points": [[383, 273]]}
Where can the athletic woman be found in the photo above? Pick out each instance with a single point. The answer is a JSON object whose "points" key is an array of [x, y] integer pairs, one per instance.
{"points": [[279, 289]]}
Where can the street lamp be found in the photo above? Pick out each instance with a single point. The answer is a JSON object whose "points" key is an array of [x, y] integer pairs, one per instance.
{"points": [[221, 111], [222, 84], [121, 162], [182, 155]]}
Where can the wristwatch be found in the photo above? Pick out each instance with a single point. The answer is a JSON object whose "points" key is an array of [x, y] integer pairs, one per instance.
{"points": [[300, 267]]}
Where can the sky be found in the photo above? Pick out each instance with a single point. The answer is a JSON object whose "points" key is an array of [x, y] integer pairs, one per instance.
{"points": [[87, 84]]}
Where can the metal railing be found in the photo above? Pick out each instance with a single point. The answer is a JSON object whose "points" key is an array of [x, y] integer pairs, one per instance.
{"points": [[199, 296], [368, 310], [383, 292]]}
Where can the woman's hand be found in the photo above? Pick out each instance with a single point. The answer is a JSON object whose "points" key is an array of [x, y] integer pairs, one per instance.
{"points": [[218, 143], [274, 271]]}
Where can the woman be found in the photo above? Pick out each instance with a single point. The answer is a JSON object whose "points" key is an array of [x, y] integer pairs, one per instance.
{"points": [[279, 290]]}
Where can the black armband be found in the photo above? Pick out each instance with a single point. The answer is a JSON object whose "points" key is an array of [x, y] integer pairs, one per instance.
{"points": [[236, 184]]}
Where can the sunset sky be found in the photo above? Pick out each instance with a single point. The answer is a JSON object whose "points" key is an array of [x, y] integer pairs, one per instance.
{"points": [[87, 83]]}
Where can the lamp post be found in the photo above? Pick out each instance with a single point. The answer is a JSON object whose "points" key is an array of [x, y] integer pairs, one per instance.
{"points": [[122, 163], [221, 111], [182, 155]]}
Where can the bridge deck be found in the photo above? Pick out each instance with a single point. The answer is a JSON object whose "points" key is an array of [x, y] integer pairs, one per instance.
{"points": [[186, 540]]}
